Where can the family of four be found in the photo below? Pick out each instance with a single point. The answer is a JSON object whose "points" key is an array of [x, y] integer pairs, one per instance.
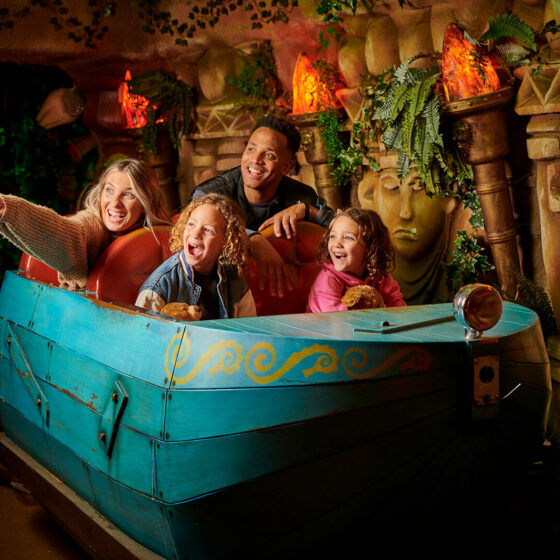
{"points": [[214, 234]]}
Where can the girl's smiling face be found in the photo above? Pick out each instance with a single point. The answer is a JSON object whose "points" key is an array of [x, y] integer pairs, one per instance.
{"points": [[204, 238], [346, 247]]}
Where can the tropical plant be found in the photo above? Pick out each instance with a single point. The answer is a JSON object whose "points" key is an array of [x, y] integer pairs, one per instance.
{"points": [[170, 99], [533, 296], [258, 81], [405, 106], [511, 37], [345, 160], [468, 262]]}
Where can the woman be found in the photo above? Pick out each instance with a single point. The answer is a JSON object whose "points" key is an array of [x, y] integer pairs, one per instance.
{"points": [[126, 197]]}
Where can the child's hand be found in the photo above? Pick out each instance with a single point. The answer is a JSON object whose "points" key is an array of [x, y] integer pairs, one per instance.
{"points": [[271, 265], [285, 221]]}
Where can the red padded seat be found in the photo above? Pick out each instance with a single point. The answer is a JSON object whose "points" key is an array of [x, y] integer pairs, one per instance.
{"points": [[299, 250], [127, 262], [130, 259], [121, 268]]}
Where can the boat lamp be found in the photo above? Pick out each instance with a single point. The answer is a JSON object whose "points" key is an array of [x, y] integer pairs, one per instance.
{"points": [[478, 307]]}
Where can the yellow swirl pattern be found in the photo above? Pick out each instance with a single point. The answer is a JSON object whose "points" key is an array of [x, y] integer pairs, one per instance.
{"points": [[178, 351], [326, 362], [419, 359], [261, 359]]}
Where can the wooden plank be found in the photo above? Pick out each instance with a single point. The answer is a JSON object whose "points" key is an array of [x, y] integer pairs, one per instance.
{"points": [[93, 532]]}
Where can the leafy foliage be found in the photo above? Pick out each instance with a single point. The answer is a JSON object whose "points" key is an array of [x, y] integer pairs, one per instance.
{"points": [[507, 27], [407, 107], [331, 11], [345, 160], [208, 15], [258, 81], [533, 296], [468, 262], [63, 18], [170, 99]]}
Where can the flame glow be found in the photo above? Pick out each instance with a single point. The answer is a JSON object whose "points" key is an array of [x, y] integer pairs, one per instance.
{"points": [[467, 70], [133, 107], [310, 93]]}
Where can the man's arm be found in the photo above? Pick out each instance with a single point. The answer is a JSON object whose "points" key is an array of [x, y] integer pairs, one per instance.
{"points": [[303, 203]]}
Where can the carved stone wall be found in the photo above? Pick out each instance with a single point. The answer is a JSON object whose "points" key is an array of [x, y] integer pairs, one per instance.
{"points": [[365, 42]]}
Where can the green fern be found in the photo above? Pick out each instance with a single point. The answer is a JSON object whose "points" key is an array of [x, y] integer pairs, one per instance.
{"points": [[407, 110], [509, 26], [170, 99]]}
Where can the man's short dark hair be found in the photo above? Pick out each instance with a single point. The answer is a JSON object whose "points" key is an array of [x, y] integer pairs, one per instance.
{"points": [[283, 127]]}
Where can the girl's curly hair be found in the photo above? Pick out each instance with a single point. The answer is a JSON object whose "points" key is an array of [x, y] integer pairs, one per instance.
{"points": [[236, 246], [375, 236]]}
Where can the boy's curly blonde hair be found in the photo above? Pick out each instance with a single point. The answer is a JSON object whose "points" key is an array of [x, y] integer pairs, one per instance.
{"points": [[375, 235], [236, 246]]}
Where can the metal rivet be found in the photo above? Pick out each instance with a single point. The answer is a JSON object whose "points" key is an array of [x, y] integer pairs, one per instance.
{"points": [[103, 437], [115, 397], [9, 340], [38, 401]]}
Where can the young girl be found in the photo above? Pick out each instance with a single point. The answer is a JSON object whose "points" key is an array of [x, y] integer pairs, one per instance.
{"points": [[355, 250], [207, 272]]}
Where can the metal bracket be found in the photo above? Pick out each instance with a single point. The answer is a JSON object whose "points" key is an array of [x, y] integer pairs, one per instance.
{"points": [[486, 378], [111, 418], [23, 367]]}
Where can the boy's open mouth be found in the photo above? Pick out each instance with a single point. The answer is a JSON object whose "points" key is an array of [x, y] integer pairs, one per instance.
{"points": [[194, 249]]}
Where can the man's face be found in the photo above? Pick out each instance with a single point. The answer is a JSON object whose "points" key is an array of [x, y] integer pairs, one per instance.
{"points": [[265, 160]]}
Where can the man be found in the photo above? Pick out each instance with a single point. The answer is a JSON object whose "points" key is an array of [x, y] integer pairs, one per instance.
{"points": [[267, 197]]}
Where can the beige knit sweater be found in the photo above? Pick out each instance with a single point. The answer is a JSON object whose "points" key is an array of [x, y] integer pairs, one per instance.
{"points": [[70, 245]]}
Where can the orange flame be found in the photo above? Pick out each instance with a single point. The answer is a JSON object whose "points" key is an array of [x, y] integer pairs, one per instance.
{"points": [[133, 107], [310, 93], [467, 70]]}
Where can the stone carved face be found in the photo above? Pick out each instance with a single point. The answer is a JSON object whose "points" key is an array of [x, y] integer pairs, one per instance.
{"points": [[415, 221]]}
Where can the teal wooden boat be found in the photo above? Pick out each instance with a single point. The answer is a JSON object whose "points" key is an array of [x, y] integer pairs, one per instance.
{"points": [[274, 435]]}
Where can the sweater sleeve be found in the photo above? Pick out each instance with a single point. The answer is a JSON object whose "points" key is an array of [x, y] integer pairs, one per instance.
{"points": [[325, 294], [70, 245], [391, 292]]}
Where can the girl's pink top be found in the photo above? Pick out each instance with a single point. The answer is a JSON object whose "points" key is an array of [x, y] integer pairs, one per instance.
{"points": [[329, 287]]}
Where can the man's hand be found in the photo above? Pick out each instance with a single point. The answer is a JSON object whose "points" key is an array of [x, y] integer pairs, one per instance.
{"points": [[272, 266], [285, 221]]}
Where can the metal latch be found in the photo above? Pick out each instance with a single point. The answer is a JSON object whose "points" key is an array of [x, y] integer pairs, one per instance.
{"points": [[23, 367], [112, 415], [484, 354]]}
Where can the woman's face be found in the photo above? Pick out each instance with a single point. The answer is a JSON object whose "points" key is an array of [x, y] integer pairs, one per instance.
{"points": [[120, 208], [414, 220], [204, 237], [346, 248]]}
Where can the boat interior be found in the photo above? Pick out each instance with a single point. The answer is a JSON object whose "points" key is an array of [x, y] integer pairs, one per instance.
{"points": [[127, 262]]}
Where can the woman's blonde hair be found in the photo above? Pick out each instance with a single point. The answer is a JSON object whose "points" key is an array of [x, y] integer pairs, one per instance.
{"points": [[145, 186], [236, 245], [375, 236]]}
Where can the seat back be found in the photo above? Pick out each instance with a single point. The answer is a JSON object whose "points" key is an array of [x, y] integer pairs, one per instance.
{"points": [[299, 250], [34, 269], [126, 263], [120, 270]]}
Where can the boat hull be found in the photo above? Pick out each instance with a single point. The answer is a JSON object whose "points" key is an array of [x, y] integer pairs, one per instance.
{"points": [[270, 434]]}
